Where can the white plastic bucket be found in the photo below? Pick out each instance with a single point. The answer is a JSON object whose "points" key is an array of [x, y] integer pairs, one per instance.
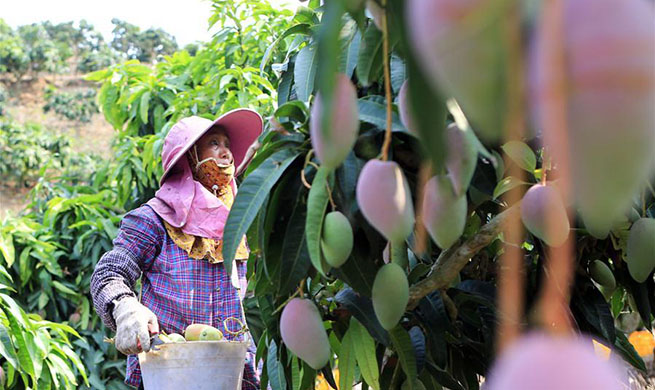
{"points": [[194, 365]]}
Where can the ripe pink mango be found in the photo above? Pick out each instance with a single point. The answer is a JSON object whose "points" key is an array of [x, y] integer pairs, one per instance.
{"points": [[385, 200], [404, 108], [609, 59], [459, 45], [444, 213], [332, 147], [542, 362], [538, 203], [303, 333]]}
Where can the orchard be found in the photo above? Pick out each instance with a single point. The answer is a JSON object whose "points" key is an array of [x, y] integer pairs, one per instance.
{"points": [[447, 194]]}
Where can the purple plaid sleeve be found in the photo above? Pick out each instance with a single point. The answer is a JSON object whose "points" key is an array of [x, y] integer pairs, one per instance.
{"points": [[178, 289], [135, 247]]}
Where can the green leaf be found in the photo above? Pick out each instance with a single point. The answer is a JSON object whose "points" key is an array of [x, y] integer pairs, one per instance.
{"points": [[274, 369], [63, 289], [376, 114], [304, 71], [350, 56], [521, 154], [7, 349], [252, 193], [303, 28], [507, 184], [295, 256], [7, 248], [316, 203], [361, 308], [143, 106], [403, 346], [294, 109], [369, 60], [365, 353], [628, 351], [347, 362], [398, 72]]}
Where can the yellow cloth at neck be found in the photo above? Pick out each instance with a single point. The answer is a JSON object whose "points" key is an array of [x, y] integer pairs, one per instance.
{"points": [[206, 248]]}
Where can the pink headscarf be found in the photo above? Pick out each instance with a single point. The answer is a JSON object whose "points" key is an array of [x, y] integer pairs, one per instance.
{"points": [[182, 201]]}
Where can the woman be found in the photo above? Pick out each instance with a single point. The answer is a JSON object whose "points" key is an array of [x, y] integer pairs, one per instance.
{"points": [[174, 242]]}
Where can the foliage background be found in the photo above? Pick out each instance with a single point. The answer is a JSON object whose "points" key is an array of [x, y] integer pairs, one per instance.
{"points": [[273, 61]]}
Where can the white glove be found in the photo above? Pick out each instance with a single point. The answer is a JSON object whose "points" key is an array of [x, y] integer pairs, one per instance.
{"points": [[134, 323]]}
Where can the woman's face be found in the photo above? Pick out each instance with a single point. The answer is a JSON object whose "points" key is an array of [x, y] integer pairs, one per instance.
{"points": [[215, 143]]}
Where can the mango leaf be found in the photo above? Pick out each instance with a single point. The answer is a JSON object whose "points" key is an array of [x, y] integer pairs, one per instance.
{"points": [[418, 342], [249, 199], [7, 349], [403, 346], [347, 362], [316, 203], [362, 308], [365, 353], [144, 104], [628, 351], [349, 56], [7, 248], [302, 28], [274, 368], [305, 71], [369, 62], [295, 256], [521, 154], [375, 114], [507, 184]]}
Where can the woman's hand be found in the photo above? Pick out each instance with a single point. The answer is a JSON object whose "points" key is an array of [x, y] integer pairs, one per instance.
{"points": [[134, 323]]}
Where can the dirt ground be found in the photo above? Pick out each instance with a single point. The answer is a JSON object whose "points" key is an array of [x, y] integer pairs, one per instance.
{"points": [[26, 101]]}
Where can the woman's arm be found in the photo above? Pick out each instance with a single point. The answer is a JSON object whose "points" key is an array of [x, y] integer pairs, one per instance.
{"points": [[138, 242]]}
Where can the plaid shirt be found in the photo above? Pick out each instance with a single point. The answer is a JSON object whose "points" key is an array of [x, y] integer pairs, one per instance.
{"points": [[178, 289]]}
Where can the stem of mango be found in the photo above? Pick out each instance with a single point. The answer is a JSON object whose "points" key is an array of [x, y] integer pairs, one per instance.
{"points": [[387, 82]]}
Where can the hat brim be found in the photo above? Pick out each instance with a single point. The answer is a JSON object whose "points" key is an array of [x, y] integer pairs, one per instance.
{"points": [[242, 125]]}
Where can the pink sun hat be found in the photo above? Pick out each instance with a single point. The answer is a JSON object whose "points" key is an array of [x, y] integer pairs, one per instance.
{"points": [[242, 126]]}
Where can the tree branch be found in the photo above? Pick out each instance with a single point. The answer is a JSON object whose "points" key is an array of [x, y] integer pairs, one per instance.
{"points": [[450, 262]]}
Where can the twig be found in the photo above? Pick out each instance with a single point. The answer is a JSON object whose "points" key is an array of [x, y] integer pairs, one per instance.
{"points": [[451, 261], [451, 308], [302, 171], [554, 298], [510, 271], [387, 82]]}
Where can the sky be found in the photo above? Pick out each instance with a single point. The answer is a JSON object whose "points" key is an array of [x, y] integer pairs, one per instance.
{"points": [[184, 19]]}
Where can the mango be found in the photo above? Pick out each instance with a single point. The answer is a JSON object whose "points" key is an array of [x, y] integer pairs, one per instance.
{"points": [[462, 158], [385, 200], [640, 254], [193, 331], [210, 333], [609, 59], [176, 338], [602, 274], [301, 327], [461, 48], [404, 108], [337, 239], [542, 202], [332, 147], [390, 295], [444, 213], [539, 362]]}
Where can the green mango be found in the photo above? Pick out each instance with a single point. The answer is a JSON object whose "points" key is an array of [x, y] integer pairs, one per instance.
{"points": [[640, 255], [390, 295], [337, 239]]}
